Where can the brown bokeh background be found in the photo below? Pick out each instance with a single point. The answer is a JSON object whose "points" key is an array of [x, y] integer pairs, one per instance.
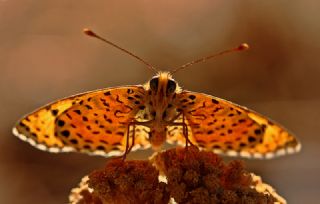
{"points": [[44, 56]]}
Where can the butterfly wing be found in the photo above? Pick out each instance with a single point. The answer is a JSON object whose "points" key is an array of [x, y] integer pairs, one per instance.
{"points": [[94, 122], [226, 128], [175, 133]]}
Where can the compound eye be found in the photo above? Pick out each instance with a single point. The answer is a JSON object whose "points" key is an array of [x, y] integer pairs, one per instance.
{"points": [[154, 83], [171, 86]]}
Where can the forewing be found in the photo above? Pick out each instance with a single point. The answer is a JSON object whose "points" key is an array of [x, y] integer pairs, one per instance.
{"points": [[94, 122], [230, 129]]}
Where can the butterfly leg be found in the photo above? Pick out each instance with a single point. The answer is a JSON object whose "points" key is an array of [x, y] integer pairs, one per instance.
{"points": [[127, 143], [185, 132], [128, 149], [133, 136], [184, 127]]}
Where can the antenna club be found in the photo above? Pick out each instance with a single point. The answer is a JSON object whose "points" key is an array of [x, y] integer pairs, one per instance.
{"points": [[89, 32], [243, 46]]}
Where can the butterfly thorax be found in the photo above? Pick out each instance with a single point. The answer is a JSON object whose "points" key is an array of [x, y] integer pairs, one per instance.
{"points": [[160, 107]]}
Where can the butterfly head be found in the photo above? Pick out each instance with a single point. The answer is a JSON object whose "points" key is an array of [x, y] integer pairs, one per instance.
{"points": [[163, 84]]}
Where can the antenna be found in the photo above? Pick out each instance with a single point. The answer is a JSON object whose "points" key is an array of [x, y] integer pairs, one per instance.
{"points": [[92, 34], [243, 46]]}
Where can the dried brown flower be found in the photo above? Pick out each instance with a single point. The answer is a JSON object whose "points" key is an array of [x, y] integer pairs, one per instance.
{"points": [[189, 176]]}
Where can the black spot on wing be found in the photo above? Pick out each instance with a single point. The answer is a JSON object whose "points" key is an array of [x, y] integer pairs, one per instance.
{"points": [[120, 133], [69, 116], [184, 100], [88, 141], [107, 93], [100, 147], [258, 131], [118, 99], [215, 101], [54, 112], [86, 146], [210, 132], [65, 133], [74, 141], [142, 107], [60, 123], [216, 147], [251, 139], [77, 111], [103, 141], [88, 107]]}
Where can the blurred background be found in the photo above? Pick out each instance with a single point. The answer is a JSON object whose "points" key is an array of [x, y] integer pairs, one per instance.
{"points": [[44, 56]]}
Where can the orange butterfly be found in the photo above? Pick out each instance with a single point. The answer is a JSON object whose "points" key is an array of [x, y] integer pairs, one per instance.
{"points": [[114, 121]]}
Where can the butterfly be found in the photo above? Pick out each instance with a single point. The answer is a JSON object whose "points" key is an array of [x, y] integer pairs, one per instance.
{"points": [[115, 121]]}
